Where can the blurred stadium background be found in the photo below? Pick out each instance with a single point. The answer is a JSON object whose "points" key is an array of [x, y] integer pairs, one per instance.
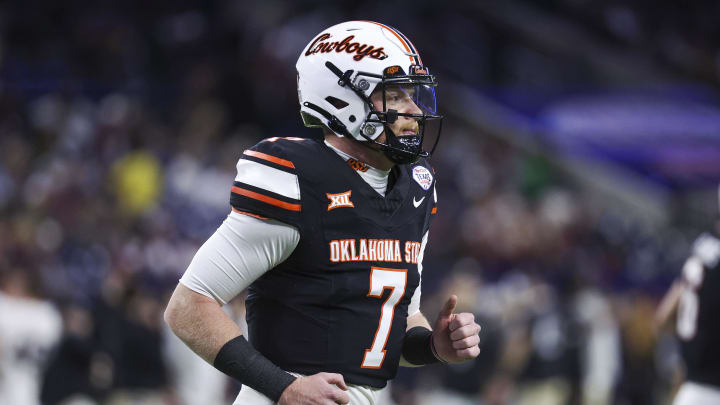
{"points": [[580, 158]]}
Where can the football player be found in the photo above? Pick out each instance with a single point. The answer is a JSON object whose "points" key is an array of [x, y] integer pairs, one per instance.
{"points": [[695, 295], [329, 236]]}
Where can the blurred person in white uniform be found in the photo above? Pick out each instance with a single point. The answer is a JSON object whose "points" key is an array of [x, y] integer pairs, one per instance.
{"points": [[30, 327]]}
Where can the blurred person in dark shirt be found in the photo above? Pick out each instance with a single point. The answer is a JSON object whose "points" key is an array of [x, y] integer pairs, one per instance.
{"points": [[79, 369], [695, 297], [466, 383], [638, 371], [551, 373], [140, 372]]}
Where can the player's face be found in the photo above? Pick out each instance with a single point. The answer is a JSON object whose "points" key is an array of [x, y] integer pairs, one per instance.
{"points": [[398, 98]]}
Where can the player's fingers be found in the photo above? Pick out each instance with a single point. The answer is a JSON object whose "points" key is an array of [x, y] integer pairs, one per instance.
{"points": [[461, 319], [466, 343], [469, 353], [340, 397], [449, 306], [464, 331], [335, 379]]}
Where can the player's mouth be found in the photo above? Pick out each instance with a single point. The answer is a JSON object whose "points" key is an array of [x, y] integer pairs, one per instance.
{"points": [[409, 131]]}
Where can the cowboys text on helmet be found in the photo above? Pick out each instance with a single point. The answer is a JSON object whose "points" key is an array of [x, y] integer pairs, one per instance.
{"points": [[320, 44]]}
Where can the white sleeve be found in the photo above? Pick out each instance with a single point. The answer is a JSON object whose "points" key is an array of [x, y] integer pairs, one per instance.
{"points": [[414, 306], [242, 249]]}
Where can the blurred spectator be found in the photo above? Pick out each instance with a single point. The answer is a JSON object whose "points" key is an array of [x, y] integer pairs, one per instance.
{"points": [[140, 374], [638, 343], [137, 182], [30, 327], [552, 366], [79, 370], [694, 296], [601, 347], [467, 383]]}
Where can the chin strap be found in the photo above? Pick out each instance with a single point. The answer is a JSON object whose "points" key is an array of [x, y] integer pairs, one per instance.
{"points": [[402, 150]]}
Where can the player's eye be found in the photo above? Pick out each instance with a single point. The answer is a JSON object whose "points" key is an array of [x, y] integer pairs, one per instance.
{"points": [[393, 95], [400, 93]]}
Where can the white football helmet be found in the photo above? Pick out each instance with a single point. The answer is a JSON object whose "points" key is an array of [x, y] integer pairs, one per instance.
{"points": [[342, 66]]}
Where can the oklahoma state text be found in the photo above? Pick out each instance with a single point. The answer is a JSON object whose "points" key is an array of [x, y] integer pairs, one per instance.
{"points": [[373, 250]]}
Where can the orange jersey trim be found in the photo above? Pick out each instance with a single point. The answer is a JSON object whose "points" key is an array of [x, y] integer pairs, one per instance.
{"points": [[434, 210], [249, 214], [266, 199], [269, 158]]}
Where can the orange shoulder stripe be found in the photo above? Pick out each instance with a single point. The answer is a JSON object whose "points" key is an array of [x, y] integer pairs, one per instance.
{"points": [[269, 158], [266, 199]]}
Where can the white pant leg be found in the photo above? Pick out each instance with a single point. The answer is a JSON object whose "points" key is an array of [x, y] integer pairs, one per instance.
{"points": [[697, 394], [362, 395], [359, 395]]}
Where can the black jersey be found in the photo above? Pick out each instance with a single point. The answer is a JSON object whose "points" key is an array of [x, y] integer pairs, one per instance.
{"points": [[698, 325], [339, 303]]}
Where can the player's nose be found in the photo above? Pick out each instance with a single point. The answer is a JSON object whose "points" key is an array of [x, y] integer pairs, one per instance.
{"points": [[409, 107], [412, 108]]}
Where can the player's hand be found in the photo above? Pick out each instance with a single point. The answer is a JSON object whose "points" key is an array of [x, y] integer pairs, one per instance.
{"points": [[317, 389], [455, 336]]}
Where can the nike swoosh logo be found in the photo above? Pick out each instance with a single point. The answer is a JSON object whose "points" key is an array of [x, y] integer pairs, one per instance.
{"points": [[417, 203]]}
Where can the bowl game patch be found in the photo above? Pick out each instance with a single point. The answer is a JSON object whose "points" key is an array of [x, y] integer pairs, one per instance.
{"points": [[423, 176]]}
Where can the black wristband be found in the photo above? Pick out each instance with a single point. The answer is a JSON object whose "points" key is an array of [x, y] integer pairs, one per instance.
{"points": [[417, 346], [238, 359]]}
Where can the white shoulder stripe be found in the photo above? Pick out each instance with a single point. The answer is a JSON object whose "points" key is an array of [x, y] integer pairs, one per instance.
{"points": [[268, 178]]}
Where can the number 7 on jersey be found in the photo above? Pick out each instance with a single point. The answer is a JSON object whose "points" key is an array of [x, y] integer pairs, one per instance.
{"points": [[380, 279]]}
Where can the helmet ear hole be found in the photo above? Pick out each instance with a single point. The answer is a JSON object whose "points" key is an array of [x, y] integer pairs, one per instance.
{"points": [[336, 102], [311, 121]]}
